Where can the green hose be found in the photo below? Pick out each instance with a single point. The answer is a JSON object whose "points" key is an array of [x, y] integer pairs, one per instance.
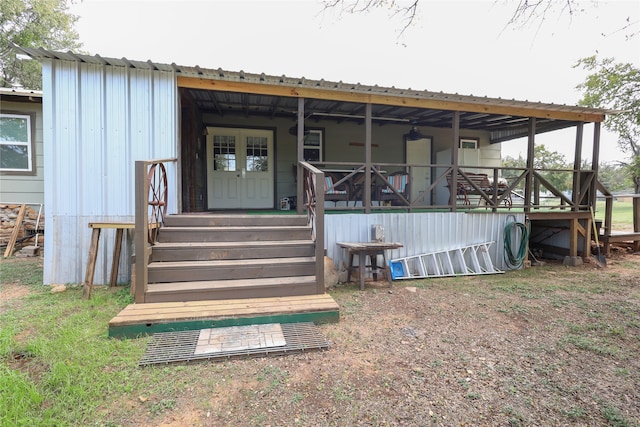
{"points": [[514, 261]]}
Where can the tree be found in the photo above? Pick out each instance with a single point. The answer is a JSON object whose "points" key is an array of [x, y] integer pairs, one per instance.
{"points": [[615, 177], [525, 11], [32, 23], [616, 86], [555, 168]]}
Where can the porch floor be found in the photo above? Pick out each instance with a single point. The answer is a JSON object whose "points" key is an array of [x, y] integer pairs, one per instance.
{"points": [[141, 319]]}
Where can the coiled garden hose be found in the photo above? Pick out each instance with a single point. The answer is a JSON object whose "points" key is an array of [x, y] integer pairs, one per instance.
{"points": [[514, 261]]}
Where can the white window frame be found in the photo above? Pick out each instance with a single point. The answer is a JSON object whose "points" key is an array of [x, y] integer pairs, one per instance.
{"points": [[28, 143], [469, 143], [318, 147]]}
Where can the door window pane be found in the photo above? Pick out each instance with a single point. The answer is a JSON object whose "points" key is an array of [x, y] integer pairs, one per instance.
{"points": [[257, 154], [15, 143], [224, 153]]}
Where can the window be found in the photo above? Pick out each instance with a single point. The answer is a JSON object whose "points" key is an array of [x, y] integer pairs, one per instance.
{"points": [[16, 149], [224, 153], [313, 146], [257, 154], [469, 143]]}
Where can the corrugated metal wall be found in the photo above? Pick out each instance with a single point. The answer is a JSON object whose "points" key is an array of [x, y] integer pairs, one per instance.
{"points": [[422, 232], [98, 120]]}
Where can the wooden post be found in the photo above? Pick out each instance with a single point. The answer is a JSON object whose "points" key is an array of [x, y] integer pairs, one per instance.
{"points": [[116, 258], [636, 221], [367, 160], [530, 158], [87, 286], [577, 159], [318, 178], [595, 165], [300, 157], [455, 140], [142, 230]]}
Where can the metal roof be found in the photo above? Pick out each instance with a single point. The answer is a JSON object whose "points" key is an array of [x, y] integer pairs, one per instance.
{"points": [[506, 119], [20, 95]]}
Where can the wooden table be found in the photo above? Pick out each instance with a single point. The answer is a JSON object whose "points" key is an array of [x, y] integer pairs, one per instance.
{"points": [[371, 250], [87, 286]]}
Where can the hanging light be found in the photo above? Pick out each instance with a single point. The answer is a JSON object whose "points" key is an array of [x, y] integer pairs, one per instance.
{"points": [[414, 134]]}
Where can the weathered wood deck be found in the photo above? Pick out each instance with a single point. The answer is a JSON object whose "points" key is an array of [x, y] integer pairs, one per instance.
{"points": [[141, 319]]}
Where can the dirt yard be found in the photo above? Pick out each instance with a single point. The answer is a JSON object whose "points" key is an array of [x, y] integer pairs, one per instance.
{"points": [[550, 345]]}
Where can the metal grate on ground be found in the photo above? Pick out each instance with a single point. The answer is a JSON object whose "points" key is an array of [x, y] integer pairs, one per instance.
{"points": [[180, 346]]}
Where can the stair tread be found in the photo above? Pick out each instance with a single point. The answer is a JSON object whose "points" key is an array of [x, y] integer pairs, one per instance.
{"points": [[218, 284], [236, 227], [189, 310], [232, 244], [229, 262], [243, 216]]}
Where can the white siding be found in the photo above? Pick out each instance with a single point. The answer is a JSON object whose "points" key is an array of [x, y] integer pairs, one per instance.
{"points": [[98, 120], [421, 233]]}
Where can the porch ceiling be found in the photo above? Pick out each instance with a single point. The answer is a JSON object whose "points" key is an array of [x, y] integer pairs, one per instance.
{"points": [[503, 127]]}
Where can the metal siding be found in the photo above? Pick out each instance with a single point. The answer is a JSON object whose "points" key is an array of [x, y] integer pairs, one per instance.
{"points": [[420, 232], [98, 121]]}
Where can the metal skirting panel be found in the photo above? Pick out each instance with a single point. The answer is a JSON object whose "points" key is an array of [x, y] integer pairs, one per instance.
{"points": [[170, 347], [422, 232], [98, 120]]}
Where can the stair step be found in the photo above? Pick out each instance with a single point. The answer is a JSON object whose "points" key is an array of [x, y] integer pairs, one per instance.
{"points": [[233, 233], [206, 251], [225, 289], [148, 318], [183, 271], [222, 220]]}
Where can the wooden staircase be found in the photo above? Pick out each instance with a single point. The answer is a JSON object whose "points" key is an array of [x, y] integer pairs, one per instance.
{"points": [[212, 257], [213, 270]]}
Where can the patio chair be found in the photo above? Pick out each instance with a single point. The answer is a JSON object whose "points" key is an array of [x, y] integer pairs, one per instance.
{"points": [[335, 193], [400, 182]]}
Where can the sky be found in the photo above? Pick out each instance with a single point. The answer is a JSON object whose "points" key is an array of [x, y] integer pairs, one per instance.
{"points": [[453, 46]]}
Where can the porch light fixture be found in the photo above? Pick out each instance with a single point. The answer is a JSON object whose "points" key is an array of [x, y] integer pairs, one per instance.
{"points": [[414, 134]]}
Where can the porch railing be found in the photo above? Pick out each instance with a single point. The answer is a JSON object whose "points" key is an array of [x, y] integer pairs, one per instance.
{"points": [[508, 188], [313, 188], [151, 198]]}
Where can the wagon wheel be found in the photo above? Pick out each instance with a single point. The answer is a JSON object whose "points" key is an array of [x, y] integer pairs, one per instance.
{"points": [[157, 186]]}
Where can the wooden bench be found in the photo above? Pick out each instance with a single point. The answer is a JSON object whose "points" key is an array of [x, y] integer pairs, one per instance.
{"points": [[97, 227], [371, 250], [477, 184]]}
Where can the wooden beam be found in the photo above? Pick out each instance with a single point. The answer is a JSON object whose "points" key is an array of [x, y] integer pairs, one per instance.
{"points": [[383, 99], [577, 160], [455, 141], [530, 156], [367, 159], [300, 157]]}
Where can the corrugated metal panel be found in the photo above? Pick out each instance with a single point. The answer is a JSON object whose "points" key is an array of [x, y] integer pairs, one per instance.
{"points": [[421, 232], [98, 121]]}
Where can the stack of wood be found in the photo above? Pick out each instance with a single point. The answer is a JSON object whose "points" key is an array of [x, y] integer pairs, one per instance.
{"points": [[19, 223]]}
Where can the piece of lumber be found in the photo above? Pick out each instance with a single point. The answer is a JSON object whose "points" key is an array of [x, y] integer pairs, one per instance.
{"points": [[16, 229], [87, 286]]}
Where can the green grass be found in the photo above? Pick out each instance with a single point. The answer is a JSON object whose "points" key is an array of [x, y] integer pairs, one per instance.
{"points": [[622, 215], [57, 364]]}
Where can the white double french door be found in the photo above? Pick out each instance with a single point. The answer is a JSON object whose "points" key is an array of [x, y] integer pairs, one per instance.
{"points": [[240, 168]]}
